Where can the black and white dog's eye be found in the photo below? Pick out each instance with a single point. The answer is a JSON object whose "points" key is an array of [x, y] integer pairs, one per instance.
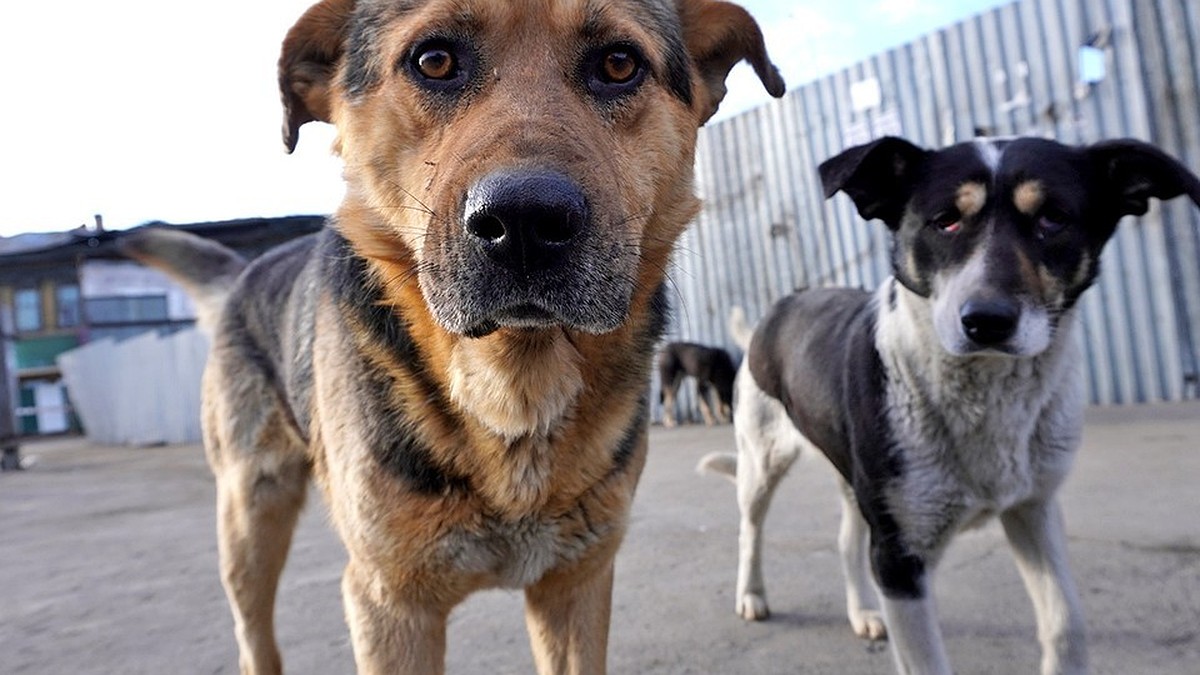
{"points": [[1051, 222], [1048, 226], [947, 223]]}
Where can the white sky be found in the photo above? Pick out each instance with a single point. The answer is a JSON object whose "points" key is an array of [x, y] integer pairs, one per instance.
{"points": [[156, 110]]}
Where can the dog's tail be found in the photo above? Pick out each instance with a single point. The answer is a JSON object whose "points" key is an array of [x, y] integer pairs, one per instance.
{"points": [[204, 268], [739, 328], [720, 463]]}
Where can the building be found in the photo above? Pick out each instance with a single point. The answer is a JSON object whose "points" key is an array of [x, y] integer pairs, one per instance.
{"points": [[61, 290]]}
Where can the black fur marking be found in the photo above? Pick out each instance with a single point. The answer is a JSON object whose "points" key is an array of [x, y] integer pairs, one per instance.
{"points": [[394, 441], [675, 73], [397, 447], [353, 288], [900, 575], [362, 67], [678, 75], [658, 315], [629, 442]]}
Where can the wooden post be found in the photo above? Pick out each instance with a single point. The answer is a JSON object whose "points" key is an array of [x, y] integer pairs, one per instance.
{"points": [[10, 460]]}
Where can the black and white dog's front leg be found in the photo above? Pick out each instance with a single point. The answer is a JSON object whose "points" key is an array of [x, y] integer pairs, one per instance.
{"points": [[1035, 532], [905, 581], [854, 537]]}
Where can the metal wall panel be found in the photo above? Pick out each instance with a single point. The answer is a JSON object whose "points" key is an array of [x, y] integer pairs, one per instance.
{"points": [[765, 228], [143, 391]]}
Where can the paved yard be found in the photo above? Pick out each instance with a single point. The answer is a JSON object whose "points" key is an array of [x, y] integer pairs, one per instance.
{"points": [[109, 566]]}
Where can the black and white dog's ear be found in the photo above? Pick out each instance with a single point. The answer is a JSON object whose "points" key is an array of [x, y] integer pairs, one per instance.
{"points": [[1132, 172], [878, 176]]}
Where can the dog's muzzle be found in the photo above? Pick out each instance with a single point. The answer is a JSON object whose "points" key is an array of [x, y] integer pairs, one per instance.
{"points": [[527, 254]]}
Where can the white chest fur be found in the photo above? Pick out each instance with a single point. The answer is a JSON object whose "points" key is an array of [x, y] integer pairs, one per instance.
{"points": [[976, 434]]}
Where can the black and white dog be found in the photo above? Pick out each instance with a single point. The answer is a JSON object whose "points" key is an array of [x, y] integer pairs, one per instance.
{"points": [[953, 392]]}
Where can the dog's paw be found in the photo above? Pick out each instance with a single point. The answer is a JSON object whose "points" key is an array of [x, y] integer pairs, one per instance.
{"points": [[752, 607], [868, 624]]}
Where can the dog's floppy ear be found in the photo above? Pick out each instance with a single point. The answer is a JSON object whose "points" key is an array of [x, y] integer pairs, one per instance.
{"points": [[1131, 172], [308, 64], [718, 35], [878, 176]]}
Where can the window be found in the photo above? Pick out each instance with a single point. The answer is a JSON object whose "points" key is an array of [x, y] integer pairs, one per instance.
{"points": [[28, 303], [67, 299], [127, 310]]}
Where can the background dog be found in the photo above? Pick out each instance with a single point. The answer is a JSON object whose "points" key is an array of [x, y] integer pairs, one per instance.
{"points": [[714, 371], [461, 359], [954, 391]]}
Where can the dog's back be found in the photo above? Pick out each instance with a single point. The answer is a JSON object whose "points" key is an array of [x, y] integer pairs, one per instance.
{"points": [[796, 358], [711, 364]]}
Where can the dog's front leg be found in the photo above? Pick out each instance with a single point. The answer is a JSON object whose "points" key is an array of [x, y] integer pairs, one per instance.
{"points": [[567, 614], [862, 605], [906, 582], [396, 634], [916, 638], [1035, 532]]}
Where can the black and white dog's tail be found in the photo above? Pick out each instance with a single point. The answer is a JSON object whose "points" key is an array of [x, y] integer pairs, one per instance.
{"points": [[725, 463], [739, 329], [206, 270], [719, 463]]}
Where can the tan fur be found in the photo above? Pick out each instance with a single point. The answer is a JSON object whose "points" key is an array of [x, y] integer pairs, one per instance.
{"points": [[970, 199], [1029, 197], [528, 421], [510, 402]]}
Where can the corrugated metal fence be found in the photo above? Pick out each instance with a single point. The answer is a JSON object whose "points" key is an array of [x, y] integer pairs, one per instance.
{"points": [[141, 391], [766, 230]]}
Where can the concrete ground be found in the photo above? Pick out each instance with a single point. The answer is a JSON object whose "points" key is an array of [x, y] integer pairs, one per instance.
{"points": [[108, 565]]}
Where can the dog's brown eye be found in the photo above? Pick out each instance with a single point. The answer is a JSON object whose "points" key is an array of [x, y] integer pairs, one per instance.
{"points": [[614, 72], [619, 67], [436, 64]]}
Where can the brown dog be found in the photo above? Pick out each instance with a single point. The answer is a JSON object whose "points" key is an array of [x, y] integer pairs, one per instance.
{"points": [[461, 360]]}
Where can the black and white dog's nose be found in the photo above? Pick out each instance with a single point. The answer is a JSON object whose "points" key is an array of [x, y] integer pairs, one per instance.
{"points": [[523, 220], [990, 322]]}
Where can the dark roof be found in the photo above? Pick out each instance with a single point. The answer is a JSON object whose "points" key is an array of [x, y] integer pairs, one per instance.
{"points": [[250, 236], [31, 242]]}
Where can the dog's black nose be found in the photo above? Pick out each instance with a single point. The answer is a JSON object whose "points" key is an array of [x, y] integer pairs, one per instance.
{"points": [[523, 220], [990, 322]]}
